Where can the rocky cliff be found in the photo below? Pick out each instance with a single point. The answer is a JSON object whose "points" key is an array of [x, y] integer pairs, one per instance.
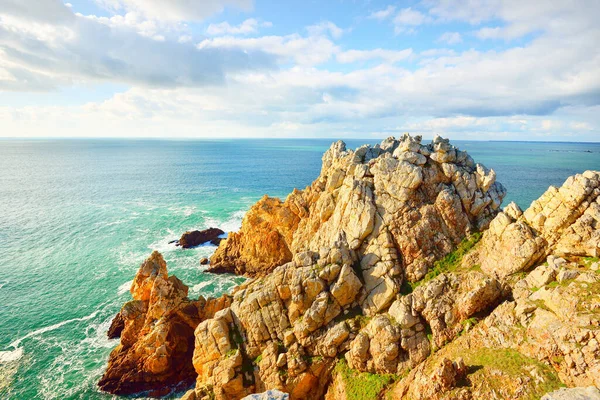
{"points": [[382, 277], [397, 207]]}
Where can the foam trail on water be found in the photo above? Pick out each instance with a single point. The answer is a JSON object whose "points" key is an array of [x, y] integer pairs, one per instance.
{"points": [[124, 288], [10, 355], [15, 344]]}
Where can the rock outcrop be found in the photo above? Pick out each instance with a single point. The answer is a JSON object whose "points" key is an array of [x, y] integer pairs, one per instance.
{"points": [[376, 282], [196, 238], [157, 337], [398, 206], [562, 221], [116, 327]]}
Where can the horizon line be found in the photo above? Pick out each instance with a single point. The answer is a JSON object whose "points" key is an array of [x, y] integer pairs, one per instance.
{"points": [[35, 138]]}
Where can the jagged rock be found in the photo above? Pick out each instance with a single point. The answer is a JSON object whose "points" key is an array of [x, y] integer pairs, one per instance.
{"points": [[116, 327], [263, 241], [382, 203], [195, 238], [329, 263], [157, 339], [579, 393], [562, 221], [556, 324], [397, 341]]}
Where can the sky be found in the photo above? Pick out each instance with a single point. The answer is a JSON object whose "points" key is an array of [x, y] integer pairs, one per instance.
{"points": [[464, 69]]}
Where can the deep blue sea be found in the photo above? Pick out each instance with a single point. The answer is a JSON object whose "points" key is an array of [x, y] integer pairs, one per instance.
{"points": [[77, 217]]}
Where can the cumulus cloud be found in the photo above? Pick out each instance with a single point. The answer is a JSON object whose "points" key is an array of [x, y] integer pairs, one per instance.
{"points": [[383, 14], [310, 50], [390, 56], [326, 27], [309, 83], [408, 18], [175, 10], [42, 54], [247, 27], [450, 37]]}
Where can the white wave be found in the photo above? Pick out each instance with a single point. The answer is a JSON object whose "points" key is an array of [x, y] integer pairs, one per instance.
{"points": [[3, 283], [10, 355], [15, 344], [112, 223], [197, 288], [163, 245], [232, 224], [124, 288]]}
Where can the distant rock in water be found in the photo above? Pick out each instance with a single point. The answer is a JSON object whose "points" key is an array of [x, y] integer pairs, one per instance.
{"points": [[116, 327], [204, 261], [196, 238]]}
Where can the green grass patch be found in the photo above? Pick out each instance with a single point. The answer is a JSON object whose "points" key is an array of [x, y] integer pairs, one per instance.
{"points": [[513, 363], [363, 385], [451, 261], [230, 353]]}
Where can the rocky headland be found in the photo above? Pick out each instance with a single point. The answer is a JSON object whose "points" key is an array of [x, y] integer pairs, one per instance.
{"points": [[395, 274]]}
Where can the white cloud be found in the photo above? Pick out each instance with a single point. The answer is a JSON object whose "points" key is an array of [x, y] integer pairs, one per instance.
{"points": [[247, 27], [280, 84], [311, 50], [407, 19], [383, 14], [390, 56], [42, 54], [324, 27], [450, 38], [519, 17], [175, 10]]}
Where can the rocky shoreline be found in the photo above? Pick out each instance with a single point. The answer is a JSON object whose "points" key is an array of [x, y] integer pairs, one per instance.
{"points": [[395, 273]]}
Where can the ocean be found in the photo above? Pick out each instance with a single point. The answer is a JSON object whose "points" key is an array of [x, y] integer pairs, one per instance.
{"points": [[78, 217]]}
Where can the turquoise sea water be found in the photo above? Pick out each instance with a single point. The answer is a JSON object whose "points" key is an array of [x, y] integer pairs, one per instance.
{"points": [[77, 217]]}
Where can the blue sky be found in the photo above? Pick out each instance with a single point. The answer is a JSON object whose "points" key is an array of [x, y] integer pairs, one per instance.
{"points": [[482, 69]]}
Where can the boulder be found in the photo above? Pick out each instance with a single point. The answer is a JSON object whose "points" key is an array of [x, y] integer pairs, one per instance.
{"points": [[195, 238]]}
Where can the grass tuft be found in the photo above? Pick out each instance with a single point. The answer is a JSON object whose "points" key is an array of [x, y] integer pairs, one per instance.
{"points": [[451, 261], [363, 385]]}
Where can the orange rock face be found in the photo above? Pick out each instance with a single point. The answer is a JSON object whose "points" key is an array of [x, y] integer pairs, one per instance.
{"points": [[157, 340], [262, 243]]}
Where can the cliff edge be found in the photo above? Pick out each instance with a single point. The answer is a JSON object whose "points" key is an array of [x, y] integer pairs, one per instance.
{"points": [[394, 274]]}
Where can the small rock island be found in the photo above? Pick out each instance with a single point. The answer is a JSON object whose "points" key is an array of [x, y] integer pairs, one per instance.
{"points": [[395, 274]]}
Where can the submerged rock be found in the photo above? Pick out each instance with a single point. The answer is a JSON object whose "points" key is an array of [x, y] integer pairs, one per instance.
{"points": [[196, 238]]}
